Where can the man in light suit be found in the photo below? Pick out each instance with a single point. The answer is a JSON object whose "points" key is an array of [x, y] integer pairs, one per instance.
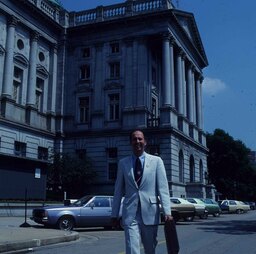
{"points": [[141, 189]]}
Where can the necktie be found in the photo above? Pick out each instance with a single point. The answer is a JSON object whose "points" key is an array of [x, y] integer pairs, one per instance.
{"points": [[138, 171]]}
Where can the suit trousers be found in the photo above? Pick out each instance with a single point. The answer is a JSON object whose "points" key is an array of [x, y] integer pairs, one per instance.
{"points": [[138, 232]]}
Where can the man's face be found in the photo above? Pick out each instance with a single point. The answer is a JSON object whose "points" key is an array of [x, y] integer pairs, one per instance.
{"points": [[138, 143]]}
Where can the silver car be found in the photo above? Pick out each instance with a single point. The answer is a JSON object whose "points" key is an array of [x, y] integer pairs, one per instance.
{"points": [[89, 211]]}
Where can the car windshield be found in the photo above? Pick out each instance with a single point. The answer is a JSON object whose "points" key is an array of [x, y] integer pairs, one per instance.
{"points": [[82, 201]]}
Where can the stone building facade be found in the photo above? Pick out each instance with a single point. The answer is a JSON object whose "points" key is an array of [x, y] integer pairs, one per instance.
{"points": [[79, 82]]}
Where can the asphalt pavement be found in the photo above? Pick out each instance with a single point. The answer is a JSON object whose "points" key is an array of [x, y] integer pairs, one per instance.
{"points": [[19, 235]]}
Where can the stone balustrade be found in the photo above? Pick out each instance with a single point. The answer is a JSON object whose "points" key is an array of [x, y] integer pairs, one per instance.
{"points": [[129, 8]]}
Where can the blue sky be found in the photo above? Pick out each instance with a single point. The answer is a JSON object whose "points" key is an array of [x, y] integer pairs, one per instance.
{"points": [[227, 29]]}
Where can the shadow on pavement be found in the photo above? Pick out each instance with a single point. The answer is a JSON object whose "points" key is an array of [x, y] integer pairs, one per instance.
{"points": [[232, 227]]}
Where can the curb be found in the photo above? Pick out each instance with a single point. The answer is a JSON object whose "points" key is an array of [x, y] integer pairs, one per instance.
{"points": [[22, 246]]}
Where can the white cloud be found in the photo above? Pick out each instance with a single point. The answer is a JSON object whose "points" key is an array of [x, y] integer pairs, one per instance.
{"points": [[213, 86]]}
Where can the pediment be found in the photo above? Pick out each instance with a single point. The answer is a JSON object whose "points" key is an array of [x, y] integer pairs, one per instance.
{"points": [[188, 25], [42, 71], [21, 60]]}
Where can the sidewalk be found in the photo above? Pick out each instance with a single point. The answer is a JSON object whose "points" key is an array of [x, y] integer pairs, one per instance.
{"points": [[15, 239]]}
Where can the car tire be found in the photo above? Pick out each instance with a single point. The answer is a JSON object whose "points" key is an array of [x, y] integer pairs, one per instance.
{"points": [[191, 218], [66, 223], [217, 214], [239, 211], [204, 216]]}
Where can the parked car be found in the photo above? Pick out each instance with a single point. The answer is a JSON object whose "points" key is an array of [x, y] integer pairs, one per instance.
{"points": [[212, 207], [200, 207], [251, 204], [89, 211], [233, 206], [182, 209]]}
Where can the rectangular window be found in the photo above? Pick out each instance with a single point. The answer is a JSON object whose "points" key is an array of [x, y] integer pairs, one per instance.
{"points": [[114, 107], [85, 72], [112, 163], [39, 94], [114, 70], [20, 149], [42, 153], [114, 47], [86, 52], [84, 109], [17, 84]]}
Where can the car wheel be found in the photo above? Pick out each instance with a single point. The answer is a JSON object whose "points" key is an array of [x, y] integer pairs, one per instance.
{"points": [[239, 211], [191, 218], [66, 223], [216, 214], [204, 216]]}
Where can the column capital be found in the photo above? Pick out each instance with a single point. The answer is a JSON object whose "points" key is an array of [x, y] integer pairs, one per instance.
{"points": [[12, 21], [129, 41], [34, 35], [141, 39], [181, 53], [201, 78], [98, 46], [168, 36], [54, 47]]}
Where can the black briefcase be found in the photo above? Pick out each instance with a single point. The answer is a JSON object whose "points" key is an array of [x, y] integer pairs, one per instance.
{"points": [[171, 237]]}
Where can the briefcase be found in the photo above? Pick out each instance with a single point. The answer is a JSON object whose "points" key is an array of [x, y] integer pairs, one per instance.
{"points": [[171, 237]]}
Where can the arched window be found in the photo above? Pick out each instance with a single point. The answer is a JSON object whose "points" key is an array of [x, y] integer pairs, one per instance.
{"points": [[181, 167], [191, 169]]}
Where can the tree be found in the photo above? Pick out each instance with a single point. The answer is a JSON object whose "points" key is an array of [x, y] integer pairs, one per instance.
{"points": [[69, 174], [229, 166]]}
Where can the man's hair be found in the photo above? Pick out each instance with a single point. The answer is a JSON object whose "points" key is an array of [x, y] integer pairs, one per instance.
{"points": [[135, 131]]}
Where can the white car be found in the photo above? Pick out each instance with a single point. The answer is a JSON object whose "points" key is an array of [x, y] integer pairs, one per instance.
{"points": [[200, 206], [233, 206]]}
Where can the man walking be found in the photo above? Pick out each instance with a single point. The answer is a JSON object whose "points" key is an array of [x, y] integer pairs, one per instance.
{"points": [[141, 180]]}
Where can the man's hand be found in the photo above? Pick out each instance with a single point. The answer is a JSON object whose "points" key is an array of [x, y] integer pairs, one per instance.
{"points": [[168, 217], [115, 222]]}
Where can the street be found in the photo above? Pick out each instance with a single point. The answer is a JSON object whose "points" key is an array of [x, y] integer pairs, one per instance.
{"points": [[229, 234]]}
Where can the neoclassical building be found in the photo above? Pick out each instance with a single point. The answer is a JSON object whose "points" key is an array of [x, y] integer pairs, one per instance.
{"points": [[79, 82]]}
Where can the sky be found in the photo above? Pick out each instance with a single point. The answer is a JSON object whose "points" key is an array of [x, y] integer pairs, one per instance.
{"points": [[227, 30]]}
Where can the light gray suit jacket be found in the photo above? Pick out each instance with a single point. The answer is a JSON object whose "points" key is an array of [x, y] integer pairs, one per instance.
{"points": [[154, 184]]}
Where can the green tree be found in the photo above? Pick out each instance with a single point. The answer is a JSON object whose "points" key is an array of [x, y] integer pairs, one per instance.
{"points": [[229, 166], [69, 174]]}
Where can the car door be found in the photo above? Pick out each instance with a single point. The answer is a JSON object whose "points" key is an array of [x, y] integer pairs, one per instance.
{"points": [[96, 213]]}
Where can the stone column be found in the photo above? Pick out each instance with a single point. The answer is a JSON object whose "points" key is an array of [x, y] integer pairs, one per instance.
{"points": [[193, 89], [99, 70], [31, 92], [54, 56], [142, 97], [190, 93], [128, 103], [166, 67], [172, 78], [179, 82], [199, 112], [183, 84], [8, 64]]}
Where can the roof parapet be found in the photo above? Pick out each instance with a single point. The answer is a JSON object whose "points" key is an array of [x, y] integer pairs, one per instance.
{"points": [[129, 8]]}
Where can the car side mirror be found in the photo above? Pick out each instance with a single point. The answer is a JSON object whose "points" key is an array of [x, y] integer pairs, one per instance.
{"points": [[92, 205]]}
